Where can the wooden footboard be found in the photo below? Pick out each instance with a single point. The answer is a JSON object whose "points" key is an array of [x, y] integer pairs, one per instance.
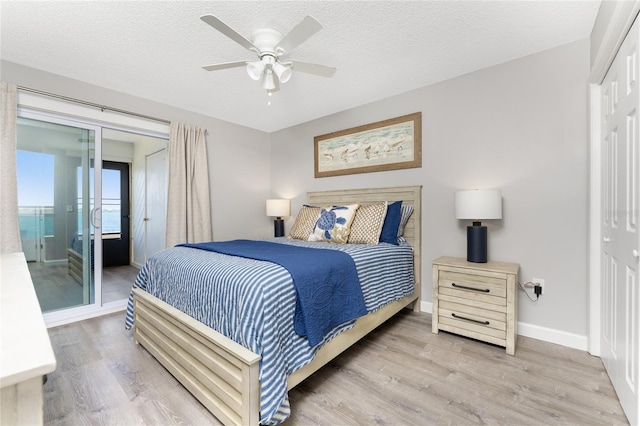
{"points": [[220, 373]]}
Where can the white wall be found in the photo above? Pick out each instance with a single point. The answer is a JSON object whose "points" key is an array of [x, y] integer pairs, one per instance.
{"points": [[600, 27], [238, 156], [520, 127]]}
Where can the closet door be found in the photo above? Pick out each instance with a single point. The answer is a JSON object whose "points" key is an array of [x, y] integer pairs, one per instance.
{"points": [[155, 202], [620, 298]]}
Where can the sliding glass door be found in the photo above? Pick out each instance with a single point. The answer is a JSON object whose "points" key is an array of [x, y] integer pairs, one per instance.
{"points": [[82, 190], [60, 197]]}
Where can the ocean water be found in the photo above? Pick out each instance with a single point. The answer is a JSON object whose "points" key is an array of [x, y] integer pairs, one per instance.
{"points": [[111, 220], [35, 222]]}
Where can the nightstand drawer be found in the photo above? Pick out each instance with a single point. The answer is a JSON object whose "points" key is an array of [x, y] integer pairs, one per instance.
{"points": [[476, 284], [475, 331], [471, 296], [473, 315]]}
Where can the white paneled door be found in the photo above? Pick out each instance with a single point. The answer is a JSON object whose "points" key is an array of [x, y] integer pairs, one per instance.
{"points": [[155, 202], [620, 298]]}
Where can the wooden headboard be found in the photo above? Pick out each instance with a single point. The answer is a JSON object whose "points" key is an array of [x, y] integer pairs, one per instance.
{"points": [[408, 194]]}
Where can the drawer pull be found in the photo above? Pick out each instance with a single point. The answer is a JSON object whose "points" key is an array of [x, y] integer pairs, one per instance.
{"points": [[469, 319], [480, 290]]}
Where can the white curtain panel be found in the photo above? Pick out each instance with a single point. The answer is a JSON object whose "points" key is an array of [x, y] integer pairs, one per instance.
{"points": [[188, 201], [9, 227]]}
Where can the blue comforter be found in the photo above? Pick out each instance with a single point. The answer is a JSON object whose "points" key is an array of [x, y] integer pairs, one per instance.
{"points": [[326, 282]]}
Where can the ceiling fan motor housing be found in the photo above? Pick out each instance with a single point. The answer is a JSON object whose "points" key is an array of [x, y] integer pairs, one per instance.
{"points": [[266, 39]]}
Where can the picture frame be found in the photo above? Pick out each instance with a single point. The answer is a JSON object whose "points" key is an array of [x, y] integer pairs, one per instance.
{"points": [[390, 144]]}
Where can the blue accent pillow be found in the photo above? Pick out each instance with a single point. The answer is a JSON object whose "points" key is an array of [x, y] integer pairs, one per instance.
{"points": [[389, 232]]}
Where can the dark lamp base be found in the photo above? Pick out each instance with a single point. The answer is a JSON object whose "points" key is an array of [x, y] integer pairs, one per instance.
{"points": [[477, 243], [278, 228]]}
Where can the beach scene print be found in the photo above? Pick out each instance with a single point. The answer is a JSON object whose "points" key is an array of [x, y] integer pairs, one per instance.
{"points": [[381, 146]]}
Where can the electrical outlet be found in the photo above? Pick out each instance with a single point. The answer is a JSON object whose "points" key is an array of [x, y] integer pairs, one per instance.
{"points": [[538, 281]]}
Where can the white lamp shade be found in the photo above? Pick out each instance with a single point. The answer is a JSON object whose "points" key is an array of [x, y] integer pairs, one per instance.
{"points": [[283, 73], [478, 204], [278, 207], [255, 70], [267, 80]]}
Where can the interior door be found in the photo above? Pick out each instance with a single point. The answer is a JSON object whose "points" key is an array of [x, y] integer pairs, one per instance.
{"points": [[155, 202], [620, 298]]}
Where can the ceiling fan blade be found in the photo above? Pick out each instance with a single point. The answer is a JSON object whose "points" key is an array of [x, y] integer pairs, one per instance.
{"points": [[301, 32], [224, 66], [228, 31], [321, 70]]}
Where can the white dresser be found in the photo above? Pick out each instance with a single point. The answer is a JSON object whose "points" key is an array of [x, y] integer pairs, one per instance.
{"points": [[26, 354]]}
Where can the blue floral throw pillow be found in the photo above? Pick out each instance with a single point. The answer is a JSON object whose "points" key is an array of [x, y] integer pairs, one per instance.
{"points": [[334, 224]]}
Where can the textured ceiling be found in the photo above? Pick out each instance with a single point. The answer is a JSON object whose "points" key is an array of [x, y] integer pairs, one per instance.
{"points": [[155, 50]]}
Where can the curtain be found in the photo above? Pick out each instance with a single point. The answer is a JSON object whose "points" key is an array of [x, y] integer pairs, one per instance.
{"points": [[9, 227], [188, 200]]}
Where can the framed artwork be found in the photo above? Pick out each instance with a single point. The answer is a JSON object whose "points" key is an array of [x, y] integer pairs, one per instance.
{"points": [[390, 144]]}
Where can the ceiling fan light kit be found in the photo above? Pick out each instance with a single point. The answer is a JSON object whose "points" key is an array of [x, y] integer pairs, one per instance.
{"points": [[283, 72], [268, 81], [271, 47], [255, 70]]}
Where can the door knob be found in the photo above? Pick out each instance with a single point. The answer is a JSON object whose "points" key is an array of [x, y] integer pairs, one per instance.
{"points": [[636, 254], [606, 239]]}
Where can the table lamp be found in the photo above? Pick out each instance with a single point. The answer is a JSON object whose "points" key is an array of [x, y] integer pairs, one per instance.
{"points": [[278, 208], [476, 205]]}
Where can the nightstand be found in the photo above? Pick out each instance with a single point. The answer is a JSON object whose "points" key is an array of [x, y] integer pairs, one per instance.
{"points": [[477, 300]]}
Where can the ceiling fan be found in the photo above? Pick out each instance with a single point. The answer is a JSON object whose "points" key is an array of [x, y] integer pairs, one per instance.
{"points": [[271, 46]]}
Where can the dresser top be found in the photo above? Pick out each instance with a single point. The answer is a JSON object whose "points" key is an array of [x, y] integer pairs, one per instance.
{"points": [[504, 267], [26, 349]]}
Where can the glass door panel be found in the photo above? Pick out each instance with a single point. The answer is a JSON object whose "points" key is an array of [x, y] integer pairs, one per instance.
{"points": [[115, 214], [57, 193]]}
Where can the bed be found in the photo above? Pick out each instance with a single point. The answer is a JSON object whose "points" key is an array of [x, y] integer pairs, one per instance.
{"points": [[225, 376]]}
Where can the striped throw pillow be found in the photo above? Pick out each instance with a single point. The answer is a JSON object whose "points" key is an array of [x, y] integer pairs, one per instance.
{"points": [[405, 213]]}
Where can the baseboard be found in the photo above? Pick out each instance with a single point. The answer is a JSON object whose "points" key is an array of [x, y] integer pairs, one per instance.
{"points": [[426, 307], [551, 335], [545, 334], [56, 262], [137, 265]]}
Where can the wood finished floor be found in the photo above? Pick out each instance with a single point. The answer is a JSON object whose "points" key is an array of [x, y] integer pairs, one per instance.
{"points": [[401, 374], [56, 289]]}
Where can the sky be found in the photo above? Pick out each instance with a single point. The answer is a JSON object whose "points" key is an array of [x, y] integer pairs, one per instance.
{"points": [[36, 180]]}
